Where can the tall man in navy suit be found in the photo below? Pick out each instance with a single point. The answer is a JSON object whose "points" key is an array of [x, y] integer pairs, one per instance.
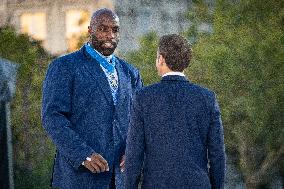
{"points": [[176, 126], [85, 110]]}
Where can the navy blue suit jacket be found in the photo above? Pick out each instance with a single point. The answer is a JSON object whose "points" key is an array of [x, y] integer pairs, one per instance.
{"points": [[79, 115], [177, 126]]}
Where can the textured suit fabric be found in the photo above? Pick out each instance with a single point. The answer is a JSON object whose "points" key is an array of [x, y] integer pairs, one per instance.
{"points": [[79, 115], [176, 126]]}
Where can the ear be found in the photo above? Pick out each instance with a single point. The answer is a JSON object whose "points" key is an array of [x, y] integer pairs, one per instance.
{"points": [[162, 60], [89, 29]]}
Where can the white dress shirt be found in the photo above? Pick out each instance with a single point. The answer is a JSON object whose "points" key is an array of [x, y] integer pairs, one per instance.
{"points": [[174, 73]]}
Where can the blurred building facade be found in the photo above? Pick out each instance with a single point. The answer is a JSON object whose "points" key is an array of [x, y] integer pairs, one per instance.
{"points": [[59, 23], [139, 17]]}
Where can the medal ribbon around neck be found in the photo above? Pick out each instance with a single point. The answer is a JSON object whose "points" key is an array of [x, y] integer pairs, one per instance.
{"points": [[103, 62]]}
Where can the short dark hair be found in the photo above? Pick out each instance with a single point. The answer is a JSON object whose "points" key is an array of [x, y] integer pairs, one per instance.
{"points": [[176, 51]]}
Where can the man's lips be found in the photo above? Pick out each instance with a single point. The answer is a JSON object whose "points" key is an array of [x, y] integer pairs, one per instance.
{"points": [[108, 45]]}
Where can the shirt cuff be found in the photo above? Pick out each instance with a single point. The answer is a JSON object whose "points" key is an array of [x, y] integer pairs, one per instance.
{"points": [[88, 159]]}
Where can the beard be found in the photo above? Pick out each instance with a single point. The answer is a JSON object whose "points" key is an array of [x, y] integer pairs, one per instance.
{"points": [[105, 47]]}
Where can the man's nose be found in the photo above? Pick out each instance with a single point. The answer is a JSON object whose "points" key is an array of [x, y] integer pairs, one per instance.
{"points": [[110, 34]]}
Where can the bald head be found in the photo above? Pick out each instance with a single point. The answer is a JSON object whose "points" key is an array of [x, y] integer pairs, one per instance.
{"points": [[104, 31], [102, 13]]}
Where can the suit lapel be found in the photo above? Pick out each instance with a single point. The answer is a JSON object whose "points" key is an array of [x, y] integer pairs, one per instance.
{"points": [[123, 81], [123, 90], [98, 74]]}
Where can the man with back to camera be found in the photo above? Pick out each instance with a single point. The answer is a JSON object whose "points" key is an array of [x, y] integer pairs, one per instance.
{"points": [[177, 126], [85, 110]]}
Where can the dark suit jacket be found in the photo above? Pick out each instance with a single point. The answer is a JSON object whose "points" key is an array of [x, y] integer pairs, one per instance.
{"points": [[79, 115], [177, 125]]}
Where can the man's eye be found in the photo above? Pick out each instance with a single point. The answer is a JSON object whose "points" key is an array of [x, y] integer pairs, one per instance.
{"points": [[115, 30], [102, 29], [107, 29]]}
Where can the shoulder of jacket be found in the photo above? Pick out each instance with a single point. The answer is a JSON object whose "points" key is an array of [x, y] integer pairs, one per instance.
{"points": [[66, 60], [205, 91], [148, 90], [127, 65], [207, 95]]}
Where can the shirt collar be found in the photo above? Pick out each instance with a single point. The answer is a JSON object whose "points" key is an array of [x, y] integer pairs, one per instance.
{"points": [[174, 73]]}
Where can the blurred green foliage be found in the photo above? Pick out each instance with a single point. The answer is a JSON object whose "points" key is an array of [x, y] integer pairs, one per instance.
{"points": [[242, 59], [144, 58], [33, 151]]}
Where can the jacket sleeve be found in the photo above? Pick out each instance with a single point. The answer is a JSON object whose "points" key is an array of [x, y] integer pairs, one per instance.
{"points": [[216, 149], [139, 82], [134, 147], [56, 112]]}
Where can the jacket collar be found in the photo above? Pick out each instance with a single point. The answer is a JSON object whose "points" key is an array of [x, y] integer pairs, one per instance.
{"points": [[174, 78]]}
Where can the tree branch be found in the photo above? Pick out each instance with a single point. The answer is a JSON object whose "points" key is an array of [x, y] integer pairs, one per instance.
{"points": [[269, 161]]}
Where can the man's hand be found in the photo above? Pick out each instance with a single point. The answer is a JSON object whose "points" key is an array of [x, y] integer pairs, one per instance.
{"points": [[96, 163], [122, 163]]}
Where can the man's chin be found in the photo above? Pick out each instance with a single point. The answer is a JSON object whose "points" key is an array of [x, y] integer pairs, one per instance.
{"points": [[107, 51]]}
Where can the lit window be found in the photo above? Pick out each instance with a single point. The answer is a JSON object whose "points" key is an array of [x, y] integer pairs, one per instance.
{"points": [[77, 22], [34, 24]]}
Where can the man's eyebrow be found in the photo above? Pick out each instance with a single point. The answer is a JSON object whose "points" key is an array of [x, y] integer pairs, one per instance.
{"points": [[104, 25]]}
